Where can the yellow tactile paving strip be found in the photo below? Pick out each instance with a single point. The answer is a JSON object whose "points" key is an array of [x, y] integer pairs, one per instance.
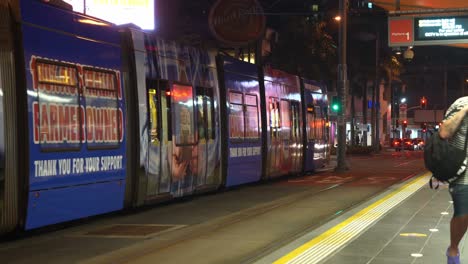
{"points": [[336, 237]]}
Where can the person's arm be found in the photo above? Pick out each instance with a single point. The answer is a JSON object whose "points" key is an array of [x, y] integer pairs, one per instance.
{"points": [[450, 126]]}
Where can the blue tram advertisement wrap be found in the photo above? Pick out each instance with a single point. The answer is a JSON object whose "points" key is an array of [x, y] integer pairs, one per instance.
{"points": [[242, 121], [75, 116]]}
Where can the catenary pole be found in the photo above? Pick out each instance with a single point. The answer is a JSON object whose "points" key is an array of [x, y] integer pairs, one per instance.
{"points": [[342, 87]]}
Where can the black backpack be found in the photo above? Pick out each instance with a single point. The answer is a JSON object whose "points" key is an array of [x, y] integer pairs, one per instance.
{"points": [[445, 161]]}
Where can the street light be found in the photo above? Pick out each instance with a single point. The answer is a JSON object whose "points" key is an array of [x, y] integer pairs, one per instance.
{"points": [[337, 18], [403, 100], [408, 55]]}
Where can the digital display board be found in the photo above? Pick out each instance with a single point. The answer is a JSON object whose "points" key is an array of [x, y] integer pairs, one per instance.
{"points": [[138, 12], [441, 28]]}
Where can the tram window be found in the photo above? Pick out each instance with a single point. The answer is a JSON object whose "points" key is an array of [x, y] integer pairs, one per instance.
{"points": [[103, 120], [58, 116], [153, 115], [166, 108], [236, 116], [201, 118], [318, 123], [310, 122], [252, 130], [184, 112], [274, 116], [205, 116], [295, 119], [210, 114], [285, 119]]}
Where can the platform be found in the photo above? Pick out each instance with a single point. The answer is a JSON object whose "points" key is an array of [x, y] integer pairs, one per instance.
{"points": [[409, 223]]}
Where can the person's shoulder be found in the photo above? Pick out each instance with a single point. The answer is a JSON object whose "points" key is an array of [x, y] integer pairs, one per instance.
{"points": [[461, 101], [458, 104]]}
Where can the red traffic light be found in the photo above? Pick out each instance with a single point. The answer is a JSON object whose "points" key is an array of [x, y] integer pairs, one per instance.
{"points": [[423, 102]]}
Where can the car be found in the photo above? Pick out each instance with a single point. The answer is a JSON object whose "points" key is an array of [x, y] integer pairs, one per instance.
{"points": [[418, 143], [408, 144], [396, 143]]}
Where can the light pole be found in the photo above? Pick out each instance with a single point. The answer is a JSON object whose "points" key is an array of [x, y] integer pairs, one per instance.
{"points": [[342, 87], [377, 94]]}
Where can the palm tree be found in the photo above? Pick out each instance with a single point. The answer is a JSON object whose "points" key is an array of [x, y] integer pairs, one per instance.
{"points": [[304, 48]]}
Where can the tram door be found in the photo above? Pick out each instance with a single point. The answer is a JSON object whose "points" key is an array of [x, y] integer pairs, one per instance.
{"points": [[296, 137], [156, 179], [274, 162], [166, 136], [205, 115]]}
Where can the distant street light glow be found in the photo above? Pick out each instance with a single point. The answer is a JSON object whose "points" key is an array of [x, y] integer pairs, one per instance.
{"points": [[403, 100], [337, 18]]}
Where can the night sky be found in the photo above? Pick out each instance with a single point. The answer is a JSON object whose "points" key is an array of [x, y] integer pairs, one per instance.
{"points": [[425, 74]]}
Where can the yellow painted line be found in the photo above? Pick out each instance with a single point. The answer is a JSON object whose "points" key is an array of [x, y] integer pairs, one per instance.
{"points": [[413, 235], [334, 238]]}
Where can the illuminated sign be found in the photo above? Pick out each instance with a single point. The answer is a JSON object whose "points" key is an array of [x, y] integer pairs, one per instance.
{"points": [[440, 28], [400, 31], [409, 31], [138, 12]]}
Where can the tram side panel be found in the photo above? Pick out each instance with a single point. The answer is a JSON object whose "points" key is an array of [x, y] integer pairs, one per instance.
{"points": [[178, 99], [76, 115], [316, 139], [241, 121], [284, 117]]}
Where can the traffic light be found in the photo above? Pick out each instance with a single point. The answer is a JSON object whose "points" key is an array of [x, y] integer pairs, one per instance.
{"points": [[405, 123], [423, 102], [424, 127], [336, 104]]}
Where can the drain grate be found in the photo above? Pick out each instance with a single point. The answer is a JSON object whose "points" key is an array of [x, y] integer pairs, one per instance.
{"points": [[132, 230]]}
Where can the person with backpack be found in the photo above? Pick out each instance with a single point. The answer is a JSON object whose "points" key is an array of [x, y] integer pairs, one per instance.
{"points": [[454, 128]]}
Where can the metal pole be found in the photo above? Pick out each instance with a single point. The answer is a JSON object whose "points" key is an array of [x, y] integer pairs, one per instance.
{"points": [[377, 100], [364, 115], [352, 142], [373, 116], [342, 87]]}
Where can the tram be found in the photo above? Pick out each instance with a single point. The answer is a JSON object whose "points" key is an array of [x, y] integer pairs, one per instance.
{"points": [[96, 118]]}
